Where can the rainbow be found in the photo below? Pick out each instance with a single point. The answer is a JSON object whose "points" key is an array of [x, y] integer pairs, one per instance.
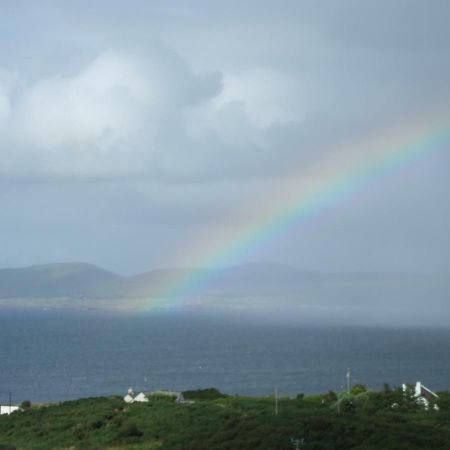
{"points": [[307, 197]]}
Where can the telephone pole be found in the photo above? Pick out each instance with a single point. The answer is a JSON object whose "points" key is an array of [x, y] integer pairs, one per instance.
{"points": [[276, 400], [349, 376]]}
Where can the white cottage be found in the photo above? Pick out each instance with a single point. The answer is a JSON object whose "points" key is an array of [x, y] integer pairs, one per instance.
{"points": [[132, 398], [423, 395], [141, 398], [8, 409]]}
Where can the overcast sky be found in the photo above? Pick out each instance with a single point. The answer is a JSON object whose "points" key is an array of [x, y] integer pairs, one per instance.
{"points": [[130, 130]]}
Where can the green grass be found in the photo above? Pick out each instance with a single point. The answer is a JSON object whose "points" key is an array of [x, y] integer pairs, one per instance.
{"points": [[366, 421]]}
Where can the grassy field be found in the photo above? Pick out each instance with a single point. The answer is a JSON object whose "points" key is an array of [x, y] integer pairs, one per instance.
{"points": [[364, 420]]}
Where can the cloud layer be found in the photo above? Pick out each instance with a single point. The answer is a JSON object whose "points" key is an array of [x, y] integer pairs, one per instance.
{"points": [[212, 94]]}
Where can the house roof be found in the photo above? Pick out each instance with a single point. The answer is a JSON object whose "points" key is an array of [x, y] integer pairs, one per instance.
{"points": [[423, 390]]}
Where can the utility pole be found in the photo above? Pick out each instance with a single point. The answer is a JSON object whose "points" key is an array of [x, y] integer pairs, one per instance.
{"points": [[9, 404], [349, 375], [276, 400]]}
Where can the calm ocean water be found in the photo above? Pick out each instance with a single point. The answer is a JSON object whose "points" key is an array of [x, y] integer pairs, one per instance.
{"points": [[50, 356]]}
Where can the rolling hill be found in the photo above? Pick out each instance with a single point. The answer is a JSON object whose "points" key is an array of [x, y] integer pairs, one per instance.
{"points": [[58, 280], [251, 288]]}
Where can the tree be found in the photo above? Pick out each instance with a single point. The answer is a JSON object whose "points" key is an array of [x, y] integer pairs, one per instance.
{"points": [[358, 389], [26, 404]]}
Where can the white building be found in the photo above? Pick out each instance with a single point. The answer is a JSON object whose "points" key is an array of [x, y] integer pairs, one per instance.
{"points": [[141, 398], [132, 398], [8, 409], [423, 395]]}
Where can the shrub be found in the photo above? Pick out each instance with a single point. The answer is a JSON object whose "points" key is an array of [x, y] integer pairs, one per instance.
{"points": [[26, 404], [348, 406], [444, 401], [129, 429], [97, 424], [358, 389], [204, 394], [330, 397]]}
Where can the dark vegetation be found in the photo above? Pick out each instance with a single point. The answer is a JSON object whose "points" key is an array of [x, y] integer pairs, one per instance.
{"points": [[362, 420], [204, 394], [26, 404]]}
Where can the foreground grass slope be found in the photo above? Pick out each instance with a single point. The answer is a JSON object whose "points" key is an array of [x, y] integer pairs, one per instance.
{"points": [[365, 420]]}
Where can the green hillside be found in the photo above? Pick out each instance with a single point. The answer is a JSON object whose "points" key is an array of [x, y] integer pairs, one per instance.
{"points": [[364, 420]]}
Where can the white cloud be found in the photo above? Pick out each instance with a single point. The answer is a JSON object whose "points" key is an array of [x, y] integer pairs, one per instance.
{"points": [[274, 83], [126, 114], [268, 95], [95, 109], [102, 121]]}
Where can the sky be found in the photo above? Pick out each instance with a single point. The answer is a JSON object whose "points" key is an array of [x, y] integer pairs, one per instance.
{"points": [[132, 131]]}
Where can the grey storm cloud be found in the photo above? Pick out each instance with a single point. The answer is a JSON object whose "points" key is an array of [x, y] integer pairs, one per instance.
{"points": [[192, 92]]}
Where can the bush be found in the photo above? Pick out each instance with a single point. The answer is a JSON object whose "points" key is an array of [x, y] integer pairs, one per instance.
{"points": [[358, 389], [204, 394], [444, 401], [26, 404], [129, 429], [330, 397], [347, 405], [97, 424]]}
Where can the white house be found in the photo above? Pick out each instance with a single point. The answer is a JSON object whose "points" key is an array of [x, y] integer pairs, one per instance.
{"points": [[423, 395], [180, 398], [128, 398], [8, 409], [132, 398], [141, 398]]}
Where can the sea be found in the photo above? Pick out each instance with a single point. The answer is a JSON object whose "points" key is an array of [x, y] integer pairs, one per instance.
{"points": [[52, 356]]}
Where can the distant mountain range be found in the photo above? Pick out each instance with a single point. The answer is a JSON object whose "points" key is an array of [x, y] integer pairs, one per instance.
{"points": [[86, 280], [257, 286], [58, 280]]}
